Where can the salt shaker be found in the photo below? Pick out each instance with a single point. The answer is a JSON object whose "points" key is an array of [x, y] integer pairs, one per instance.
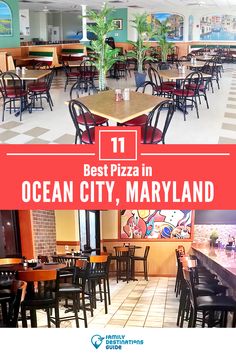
{"points": [[126, 94], [23, 70], [18, 70], [118, 95]]}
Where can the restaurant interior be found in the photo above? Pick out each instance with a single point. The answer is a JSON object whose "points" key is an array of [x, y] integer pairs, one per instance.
{"points": [[48, 57], [117, 269]]}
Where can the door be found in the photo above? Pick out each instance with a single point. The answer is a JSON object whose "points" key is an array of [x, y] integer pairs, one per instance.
{"points": [[9, 234], [55, 34], [89, 224]]}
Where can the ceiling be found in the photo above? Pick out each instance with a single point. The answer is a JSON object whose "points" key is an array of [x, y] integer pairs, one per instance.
{"points": [[74, 5]]}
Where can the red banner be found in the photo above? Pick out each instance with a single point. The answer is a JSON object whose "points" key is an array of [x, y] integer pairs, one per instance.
{"points": [[117, 172]]}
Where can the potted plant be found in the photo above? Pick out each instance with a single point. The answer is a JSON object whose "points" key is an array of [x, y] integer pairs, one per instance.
{"points": [[161, 36], [213, 238], [103, 55], [144, 32]]}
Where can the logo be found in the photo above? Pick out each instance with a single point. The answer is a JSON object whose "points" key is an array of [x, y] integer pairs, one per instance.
{"points": [[97, 340]]}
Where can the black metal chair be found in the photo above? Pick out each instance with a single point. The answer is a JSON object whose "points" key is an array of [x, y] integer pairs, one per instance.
{"points": [[41, 90], [186, 95], [84, 122], [152, 132], [12, 90]]}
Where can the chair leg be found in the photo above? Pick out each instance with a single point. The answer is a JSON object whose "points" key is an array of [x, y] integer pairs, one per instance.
{"points": [[105, 295], [23, 317]]}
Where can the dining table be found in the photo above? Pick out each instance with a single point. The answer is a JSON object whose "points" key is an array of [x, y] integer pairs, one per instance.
{"points": [[179, 75], [105, 105]]}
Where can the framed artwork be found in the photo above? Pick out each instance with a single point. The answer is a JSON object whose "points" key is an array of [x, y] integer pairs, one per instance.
{"points": [[174, 22], [169, 225], [218, 28], [118, 23], [5, 19]]}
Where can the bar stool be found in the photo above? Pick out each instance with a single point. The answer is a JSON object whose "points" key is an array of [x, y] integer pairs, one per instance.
{"points": [[209, 306], [142, 259], [123, 266]]}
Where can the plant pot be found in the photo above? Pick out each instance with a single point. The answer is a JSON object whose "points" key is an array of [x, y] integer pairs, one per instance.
{"points": [[139, 78]]}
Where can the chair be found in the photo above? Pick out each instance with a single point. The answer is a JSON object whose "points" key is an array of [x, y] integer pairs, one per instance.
{"points": [[40, 91], [150, 133], [12, 91], [214, 309], [88, 73], [98, 274], [43, 296], [123, 264], [142, 259], [10, 303], [71, 76], [161, 88], [43, 259], [84, 122], [188, 92], [202, 88], [211, 68], [141, 120]]}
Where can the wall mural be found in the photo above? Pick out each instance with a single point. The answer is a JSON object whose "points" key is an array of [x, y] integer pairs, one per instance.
{"points": [[5, 20], [174, 22], [156, 224], [218, 28]]}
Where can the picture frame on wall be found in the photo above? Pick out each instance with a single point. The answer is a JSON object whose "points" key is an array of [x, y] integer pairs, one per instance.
{"points": [[5, 20], [118, 23], [158, 225]]}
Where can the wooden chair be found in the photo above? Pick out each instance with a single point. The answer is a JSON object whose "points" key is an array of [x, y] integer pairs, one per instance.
{"points": [[10, 303], [8, 261], [98, 274], [142, 259], [41, 295]]}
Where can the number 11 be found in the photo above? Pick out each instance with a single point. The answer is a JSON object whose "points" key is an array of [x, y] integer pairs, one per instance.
{"points": [[118, 143]]}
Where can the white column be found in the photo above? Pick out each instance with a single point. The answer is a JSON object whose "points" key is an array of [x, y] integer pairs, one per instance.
{"points": [[84, 24]]}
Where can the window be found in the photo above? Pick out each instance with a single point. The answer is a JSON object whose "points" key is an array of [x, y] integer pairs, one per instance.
{"points": [[9, 234], [89, 224]]}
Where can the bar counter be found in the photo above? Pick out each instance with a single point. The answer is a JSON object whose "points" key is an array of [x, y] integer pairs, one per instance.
{"points": [[219, 261]]}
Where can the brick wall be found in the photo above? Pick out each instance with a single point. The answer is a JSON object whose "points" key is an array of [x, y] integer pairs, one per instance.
{"points": [[44, 231]]}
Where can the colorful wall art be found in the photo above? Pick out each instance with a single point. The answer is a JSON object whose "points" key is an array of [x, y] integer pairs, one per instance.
{"points": [[218, 28], [5, 20], [173, 21], [156, 224]]}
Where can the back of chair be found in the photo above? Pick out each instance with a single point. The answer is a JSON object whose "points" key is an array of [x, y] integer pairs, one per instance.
{"points": [[76, 109], [49, 79], [189, 278], [167, 107], [154, 76], [98, 265], [18, 291], [87, 70], [146, 252], [146, 86], [43, 259], [6, 261], [70, 262], [10, 83], [37, 275], [192, 83]]}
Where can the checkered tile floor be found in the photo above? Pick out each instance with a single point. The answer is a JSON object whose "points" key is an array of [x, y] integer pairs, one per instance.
{"points": [[216, 125]]}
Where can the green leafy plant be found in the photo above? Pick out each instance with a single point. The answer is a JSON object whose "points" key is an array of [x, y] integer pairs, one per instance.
{"points": [[214, 236], [144, 32], [161, 36], [103, 55]]}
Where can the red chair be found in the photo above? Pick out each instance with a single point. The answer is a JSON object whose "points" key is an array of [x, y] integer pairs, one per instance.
{"points": [[188, 92], [41, 90], [84, 122], [12, 91], [141, 120], [151, 133], [161, 88]]}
